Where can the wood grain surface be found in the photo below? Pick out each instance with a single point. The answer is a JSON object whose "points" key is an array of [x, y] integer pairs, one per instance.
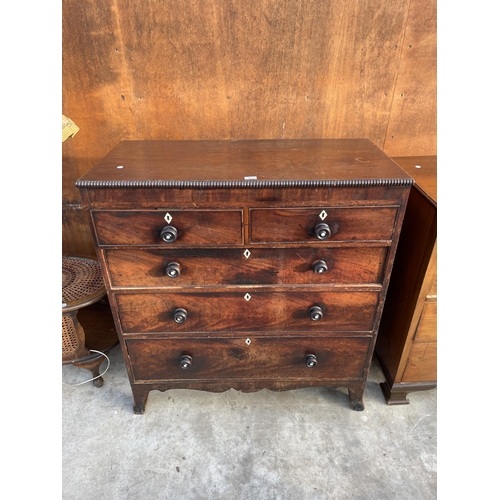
{"points": [[271, 358], [423, 170], [242, 70], [230, 311], [205, 267], [346, 224], [200, 227]]}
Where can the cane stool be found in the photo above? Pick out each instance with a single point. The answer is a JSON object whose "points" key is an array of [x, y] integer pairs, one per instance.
{"points": [[82, 286]]}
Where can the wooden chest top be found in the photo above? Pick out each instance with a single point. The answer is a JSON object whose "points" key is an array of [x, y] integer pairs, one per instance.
{"points": [[250, 163]]}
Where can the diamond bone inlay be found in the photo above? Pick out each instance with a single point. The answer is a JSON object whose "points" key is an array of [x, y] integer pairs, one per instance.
{"points": [[246, 253], [168, 218], [247, 296], [323, 215]]}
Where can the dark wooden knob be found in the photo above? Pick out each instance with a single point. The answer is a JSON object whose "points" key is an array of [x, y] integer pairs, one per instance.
{"points": [[320, 267], [169, 234], [322, 231], [173, 269], [180, 315], [315, 313], [185, 362], [311, 361]]}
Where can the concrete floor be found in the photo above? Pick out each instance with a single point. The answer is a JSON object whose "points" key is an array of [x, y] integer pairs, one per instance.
{"points": [[301, 444]]}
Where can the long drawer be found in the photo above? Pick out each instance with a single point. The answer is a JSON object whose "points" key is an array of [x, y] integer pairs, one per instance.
{"points": [[303, 224], [144, 227], [254, 357], [190, 313], [201, 267]]}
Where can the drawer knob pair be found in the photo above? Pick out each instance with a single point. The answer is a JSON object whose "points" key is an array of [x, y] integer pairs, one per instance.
{"points": [[173, 269], [180, 315], [186, 360], [169, 234]]}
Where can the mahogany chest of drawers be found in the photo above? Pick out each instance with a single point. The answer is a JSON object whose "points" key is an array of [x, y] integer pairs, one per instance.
{"points": [[246, 264]]}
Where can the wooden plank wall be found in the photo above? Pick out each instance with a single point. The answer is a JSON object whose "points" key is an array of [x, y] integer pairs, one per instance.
{"points": [[234, 69]]}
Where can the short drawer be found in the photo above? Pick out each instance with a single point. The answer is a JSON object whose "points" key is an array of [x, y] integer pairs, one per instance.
{"points": [[307, 224], [198, 267], [252, 357], [247, 311], [192, 227]]}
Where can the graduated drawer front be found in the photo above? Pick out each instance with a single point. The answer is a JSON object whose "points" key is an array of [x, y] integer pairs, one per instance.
{"points": [[147, 268], [346, 224], [232, 312], [262, 358], [143, 227]]}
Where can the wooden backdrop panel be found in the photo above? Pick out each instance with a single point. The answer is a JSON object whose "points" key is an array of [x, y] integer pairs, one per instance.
{"points": [[233, 69], [412, 125]]}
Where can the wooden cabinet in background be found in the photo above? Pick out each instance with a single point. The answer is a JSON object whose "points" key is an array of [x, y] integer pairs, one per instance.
{"points": [[407, 340]]}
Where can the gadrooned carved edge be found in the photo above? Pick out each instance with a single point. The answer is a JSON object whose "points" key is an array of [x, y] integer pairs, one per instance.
{"points": [[244, 184]]}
